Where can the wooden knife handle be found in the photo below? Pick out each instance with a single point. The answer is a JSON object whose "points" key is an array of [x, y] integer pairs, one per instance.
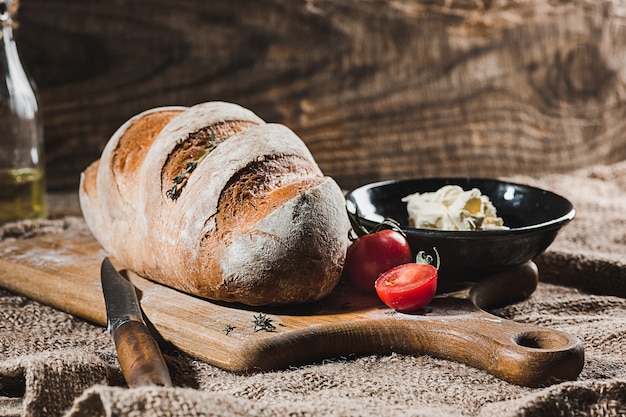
{"points": [[139, 356]]}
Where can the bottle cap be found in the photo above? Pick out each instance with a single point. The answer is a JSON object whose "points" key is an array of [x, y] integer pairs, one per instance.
{"points": [[8, 9]]}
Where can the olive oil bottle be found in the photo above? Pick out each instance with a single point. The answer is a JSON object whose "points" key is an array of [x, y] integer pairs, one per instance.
{"points": [[22, 179], [22, 194]]}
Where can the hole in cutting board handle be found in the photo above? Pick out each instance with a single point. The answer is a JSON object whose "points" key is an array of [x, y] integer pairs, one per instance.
{"points": [[538, 339]]}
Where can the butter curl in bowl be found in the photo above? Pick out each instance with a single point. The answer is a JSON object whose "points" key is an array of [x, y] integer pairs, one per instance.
{"points": [[453, 208], [528, 220]]}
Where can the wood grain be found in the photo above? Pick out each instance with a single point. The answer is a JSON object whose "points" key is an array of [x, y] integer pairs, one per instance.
{"points": [[378, 90], [140, 356], [62, 270]]}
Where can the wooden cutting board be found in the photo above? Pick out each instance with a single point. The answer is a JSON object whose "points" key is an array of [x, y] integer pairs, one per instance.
{"points": [[62, 270]]}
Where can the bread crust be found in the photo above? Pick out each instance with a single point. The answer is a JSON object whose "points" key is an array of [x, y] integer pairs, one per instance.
{"points": [[253, 220]]}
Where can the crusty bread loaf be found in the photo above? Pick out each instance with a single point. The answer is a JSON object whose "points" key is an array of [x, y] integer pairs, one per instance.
{"points": [[213, 201]]}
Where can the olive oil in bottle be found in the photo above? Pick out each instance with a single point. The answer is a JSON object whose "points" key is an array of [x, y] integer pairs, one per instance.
{"points": [[22, 194], [22, 182]]}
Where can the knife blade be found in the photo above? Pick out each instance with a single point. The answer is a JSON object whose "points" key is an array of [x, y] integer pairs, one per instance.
{"points": [[138, 353]]}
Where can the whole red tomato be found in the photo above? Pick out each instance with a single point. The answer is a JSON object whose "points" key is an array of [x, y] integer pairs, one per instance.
{"points": [[410, 286], [374, 253]]}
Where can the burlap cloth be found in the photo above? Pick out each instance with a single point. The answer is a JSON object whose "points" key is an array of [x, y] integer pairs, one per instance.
{"points": [[53, 364]]}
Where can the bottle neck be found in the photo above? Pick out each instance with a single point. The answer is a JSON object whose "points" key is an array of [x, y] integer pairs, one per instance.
{"points": [[9, 52], [18, 90], [8, 41]]}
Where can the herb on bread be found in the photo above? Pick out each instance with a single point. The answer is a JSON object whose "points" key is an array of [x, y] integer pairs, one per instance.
{"points": [[181, 179]]}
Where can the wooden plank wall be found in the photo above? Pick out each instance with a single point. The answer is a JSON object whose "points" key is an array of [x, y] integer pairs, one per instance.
{"points": [[377, 89]]}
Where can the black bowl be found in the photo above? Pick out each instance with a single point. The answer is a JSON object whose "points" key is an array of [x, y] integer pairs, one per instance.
{"points": [[534, 217]]}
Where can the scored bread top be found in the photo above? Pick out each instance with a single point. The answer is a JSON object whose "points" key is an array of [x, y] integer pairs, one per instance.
{"points": [[177, 189]]}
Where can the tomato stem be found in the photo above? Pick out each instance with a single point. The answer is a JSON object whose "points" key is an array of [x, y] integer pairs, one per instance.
{"points": [[425, 259], [360, 230], [357, 227], [389, 223]]}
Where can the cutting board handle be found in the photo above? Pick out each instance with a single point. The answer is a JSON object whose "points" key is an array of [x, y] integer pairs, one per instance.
{"points": [[522, 353], [519, 353], [516, 352]]}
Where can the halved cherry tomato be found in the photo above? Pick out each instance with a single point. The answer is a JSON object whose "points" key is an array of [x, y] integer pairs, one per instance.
{"points": [[407, 287], [372, 254]]}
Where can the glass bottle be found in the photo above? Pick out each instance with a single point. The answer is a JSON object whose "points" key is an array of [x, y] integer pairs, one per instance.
{"points": [[22, 178]]}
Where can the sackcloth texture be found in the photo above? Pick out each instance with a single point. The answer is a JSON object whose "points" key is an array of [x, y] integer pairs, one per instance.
{"points": [[54, 364]]}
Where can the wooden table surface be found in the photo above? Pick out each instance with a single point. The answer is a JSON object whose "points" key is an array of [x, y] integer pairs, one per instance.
{"points": [[377, 90], [63, 203]]}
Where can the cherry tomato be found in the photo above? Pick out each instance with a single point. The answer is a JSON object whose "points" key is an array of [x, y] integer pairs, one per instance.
{"points": [[407, 287], [372, 254]]}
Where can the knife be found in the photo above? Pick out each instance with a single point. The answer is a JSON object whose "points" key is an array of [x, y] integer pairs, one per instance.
{"points": [[138, 353]]}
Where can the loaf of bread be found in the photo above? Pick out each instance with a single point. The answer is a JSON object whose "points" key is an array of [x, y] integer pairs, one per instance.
{"points": [[213, 201]]}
